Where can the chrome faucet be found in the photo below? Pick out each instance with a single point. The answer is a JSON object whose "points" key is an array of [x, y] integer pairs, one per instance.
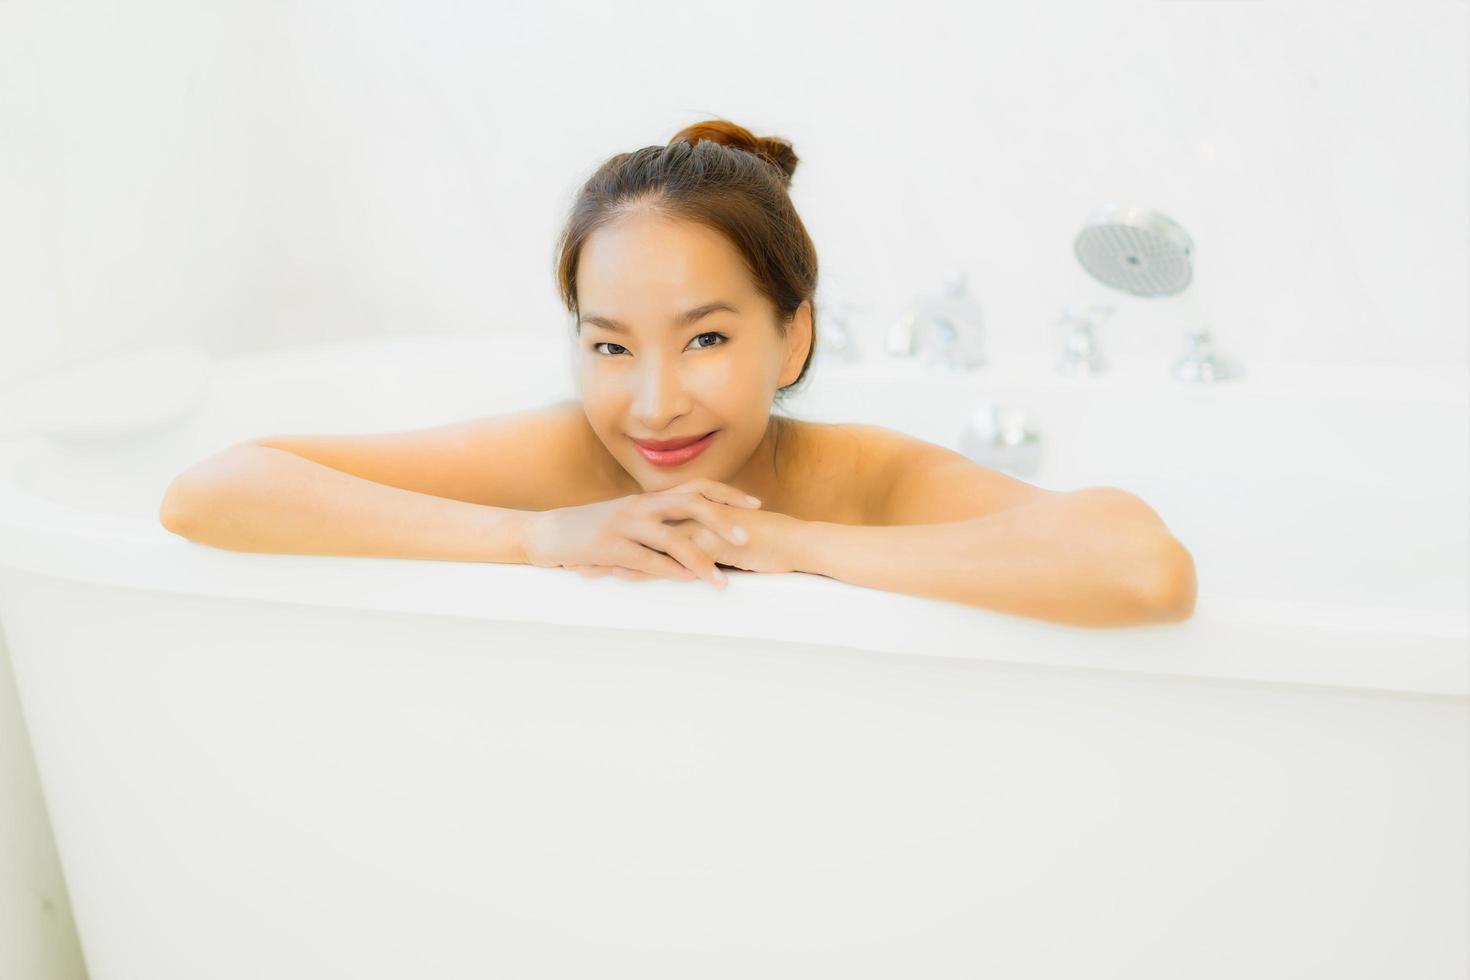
{"points": [[1203, 361], [837, 340], [947, 325], [1082, 357], [1003, 437]]}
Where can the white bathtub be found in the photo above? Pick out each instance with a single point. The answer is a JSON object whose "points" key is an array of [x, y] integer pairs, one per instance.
{"points": [[322, 767]]}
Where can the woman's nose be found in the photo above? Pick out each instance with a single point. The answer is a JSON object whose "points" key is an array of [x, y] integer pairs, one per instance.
{"points": [[660, 396]]}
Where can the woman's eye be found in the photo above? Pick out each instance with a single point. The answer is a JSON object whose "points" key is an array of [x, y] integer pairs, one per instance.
{"points": [[620, 347]]}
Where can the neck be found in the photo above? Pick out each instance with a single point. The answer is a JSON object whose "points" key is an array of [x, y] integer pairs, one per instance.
{"points": [[761, 476]]}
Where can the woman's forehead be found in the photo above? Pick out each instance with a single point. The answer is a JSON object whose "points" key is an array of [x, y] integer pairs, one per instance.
{"points": [[639, 282], [658, 247]]}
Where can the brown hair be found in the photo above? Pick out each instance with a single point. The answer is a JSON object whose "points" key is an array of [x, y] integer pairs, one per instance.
{"points": [[722, 176]]}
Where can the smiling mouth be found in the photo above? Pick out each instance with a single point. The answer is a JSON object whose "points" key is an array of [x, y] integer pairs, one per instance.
{"points": [[666, 445], [676, 457]]}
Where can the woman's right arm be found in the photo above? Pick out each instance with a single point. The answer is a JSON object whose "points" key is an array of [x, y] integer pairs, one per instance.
{"points": [[259, 498]]}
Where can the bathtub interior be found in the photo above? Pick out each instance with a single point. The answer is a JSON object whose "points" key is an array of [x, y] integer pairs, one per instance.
{"points": [[1291, 485]]}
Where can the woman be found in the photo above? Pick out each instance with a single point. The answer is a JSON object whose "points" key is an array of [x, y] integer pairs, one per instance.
{"points": [[691, 278]]}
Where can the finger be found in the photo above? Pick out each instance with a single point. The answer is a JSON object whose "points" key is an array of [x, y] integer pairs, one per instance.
{"points": [[713, 515], [678, 544], [639, 557], [719, 492], [601, 571], [704, 538], [659, 543]]}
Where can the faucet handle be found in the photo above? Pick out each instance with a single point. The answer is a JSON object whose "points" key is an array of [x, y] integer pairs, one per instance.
{"points": [[839, 341], [1205, 362], [950, 324], [1082, 355]]}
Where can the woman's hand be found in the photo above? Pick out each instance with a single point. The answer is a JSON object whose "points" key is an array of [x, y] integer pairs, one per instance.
{"points": [[767, 549], [634, 533]]}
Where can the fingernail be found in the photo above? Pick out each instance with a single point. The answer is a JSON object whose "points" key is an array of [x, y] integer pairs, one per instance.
{"points": [[753, 500], [719, 576], [739, 535]]}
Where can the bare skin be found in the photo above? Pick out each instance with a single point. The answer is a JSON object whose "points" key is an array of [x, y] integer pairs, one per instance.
{"points": [[812, 472]]}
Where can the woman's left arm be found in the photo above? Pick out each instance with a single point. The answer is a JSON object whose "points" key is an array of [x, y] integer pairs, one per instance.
{"points": [[1098, 556]]}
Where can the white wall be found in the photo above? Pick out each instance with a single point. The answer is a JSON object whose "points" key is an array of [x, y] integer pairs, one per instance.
{"points": [[129, 202], [249, 174], [253, 174], [426, 154]]}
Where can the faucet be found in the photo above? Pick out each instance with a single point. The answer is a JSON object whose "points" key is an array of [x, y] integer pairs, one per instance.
{"points": [[947, 325], [1082, 355], [1004, 437], [1204, 361], [837, 341]]}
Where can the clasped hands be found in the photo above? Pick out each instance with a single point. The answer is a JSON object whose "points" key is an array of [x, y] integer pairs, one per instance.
{"points": [[680, 533]]}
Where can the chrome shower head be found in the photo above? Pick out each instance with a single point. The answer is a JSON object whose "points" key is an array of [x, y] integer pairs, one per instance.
{"points": [[1136, 250]]}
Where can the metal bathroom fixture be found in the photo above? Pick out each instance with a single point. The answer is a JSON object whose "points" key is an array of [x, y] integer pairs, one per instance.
{"points": [[1144, 253], [1003, 437], [946, 326], [1083, 356], [837, 341]]}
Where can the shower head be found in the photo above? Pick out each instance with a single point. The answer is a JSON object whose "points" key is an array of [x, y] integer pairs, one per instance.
{"points": [[1136, 250], [1145, 253]]}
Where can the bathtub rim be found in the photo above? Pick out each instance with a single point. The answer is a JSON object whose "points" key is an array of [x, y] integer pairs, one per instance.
{"points": [[1376, 648]]}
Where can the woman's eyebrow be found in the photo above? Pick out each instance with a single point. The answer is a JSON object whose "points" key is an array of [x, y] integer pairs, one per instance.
{"points": [[682, 320]]}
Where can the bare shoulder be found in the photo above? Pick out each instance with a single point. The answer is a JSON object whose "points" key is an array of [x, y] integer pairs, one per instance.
{"points": [[908, 480], [836, 470], [543, 458], [557, 452]]}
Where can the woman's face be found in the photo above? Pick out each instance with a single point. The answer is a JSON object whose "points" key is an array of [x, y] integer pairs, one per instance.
{"points": [[647, 372]]}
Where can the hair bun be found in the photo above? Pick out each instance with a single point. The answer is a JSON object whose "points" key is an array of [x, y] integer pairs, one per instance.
{"points": [[772, 149]]}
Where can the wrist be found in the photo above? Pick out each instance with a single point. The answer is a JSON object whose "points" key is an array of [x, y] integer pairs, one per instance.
{"points": [[504, 535], [806, 541], [527, 524]]}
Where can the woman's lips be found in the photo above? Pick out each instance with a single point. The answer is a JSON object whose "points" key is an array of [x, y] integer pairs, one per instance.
{"points": [[675, 457]]}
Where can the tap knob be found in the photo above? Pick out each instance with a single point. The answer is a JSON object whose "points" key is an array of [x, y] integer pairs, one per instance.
{"points": [[1082, 355], [951, 325], [1003, 437], [838, 340], [1205, 362]]}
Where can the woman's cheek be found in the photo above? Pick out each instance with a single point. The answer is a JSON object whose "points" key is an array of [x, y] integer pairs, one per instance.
{"points": [[718, 373]]}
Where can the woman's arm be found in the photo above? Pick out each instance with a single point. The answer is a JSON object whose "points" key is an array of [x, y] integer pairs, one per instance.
{"points": [[258, 498], [1092, 557]]}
